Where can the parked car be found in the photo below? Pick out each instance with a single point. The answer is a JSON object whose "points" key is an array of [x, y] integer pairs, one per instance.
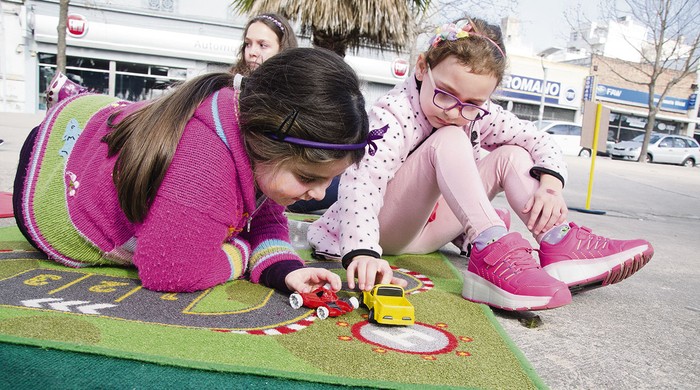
{"points": [[568, 136], [663, 148]]}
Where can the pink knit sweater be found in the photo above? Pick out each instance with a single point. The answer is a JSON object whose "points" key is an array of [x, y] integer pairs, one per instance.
{"points": [[195, 234]]}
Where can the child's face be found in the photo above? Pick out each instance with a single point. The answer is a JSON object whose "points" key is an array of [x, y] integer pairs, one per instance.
{"points": [[297, 181], [456, 79], [261, 43]]}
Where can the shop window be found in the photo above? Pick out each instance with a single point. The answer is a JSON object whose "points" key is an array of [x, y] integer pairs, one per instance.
{"points": [[136, 82], [626, 127], [133, 81], [531, 112], [95, 81]]}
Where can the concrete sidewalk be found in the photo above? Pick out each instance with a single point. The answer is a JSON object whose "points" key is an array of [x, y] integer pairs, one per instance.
{"points": [[640, 333]]}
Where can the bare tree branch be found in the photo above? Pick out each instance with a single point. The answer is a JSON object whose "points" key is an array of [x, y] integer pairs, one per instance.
{"points": [[664, 51]]}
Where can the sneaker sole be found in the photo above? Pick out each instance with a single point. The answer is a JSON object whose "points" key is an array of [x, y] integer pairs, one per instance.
{"points": [[582, 275], [479, 290]]}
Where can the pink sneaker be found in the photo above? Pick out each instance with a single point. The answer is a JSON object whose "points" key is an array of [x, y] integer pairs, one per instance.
{"points": [[60, 88], [465, 247], [584, 260], [506, 276]]}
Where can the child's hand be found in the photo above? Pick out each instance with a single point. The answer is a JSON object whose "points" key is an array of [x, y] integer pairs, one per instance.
{"points": [[546, 207], [308, 279], [367, 269]]}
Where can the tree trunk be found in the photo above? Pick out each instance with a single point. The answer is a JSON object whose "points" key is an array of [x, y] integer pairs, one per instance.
{"points": [[61, 29], [651, 121]]}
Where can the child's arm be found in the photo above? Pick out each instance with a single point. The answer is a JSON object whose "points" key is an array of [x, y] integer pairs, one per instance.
{"points": [[546, 207], [269, 239], [502, 127], [181, 249]]}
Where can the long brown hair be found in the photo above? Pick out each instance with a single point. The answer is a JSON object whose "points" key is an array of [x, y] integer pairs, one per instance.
{"points": [[316, 83], [285, 37]]}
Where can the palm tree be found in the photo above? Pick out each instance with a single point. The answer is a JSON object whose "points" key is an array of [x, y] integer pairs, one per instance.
{"points": [[339, 24]]}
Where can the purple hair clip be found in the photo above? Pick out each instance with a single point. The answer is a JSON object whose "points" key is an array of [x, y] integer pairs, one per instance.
{"points": [[280, 135]]}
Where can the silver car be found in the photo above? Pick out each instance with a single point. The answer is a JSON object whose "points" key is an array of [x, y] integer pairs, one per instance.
{"points": [[663, 148]]}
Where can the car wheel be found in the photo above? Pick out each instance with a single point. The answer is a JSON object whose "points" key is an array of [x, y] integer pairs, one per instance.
{"points": [[585, 153], [354, 302], [648, 158], [322, 312], [370, 317], [689, 162], [295, 301]]}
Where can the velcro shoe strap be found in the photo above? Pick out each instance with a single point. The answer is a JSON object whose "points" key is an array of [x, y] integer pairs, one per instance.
{"points": [[583, 232]]}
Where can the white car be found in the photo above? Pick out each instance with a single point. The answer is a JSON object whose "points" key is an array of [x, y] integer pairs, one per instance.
{"points": [[568, 136], [662, 148]]}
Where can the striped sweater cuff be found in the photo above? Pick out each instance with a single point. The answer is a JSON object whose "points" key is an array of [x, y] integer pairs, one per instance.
{"points": [[267, 253], [238, 253]]}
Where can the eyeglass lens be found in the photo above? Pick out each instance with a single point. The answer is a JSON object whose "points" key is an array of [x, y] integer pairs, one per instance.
{"points": [[447, 101]]}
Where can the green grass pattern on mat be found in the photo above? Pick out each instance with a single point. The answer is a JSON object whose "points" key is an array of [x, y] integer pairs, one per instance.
{"points": [[326, 352]]}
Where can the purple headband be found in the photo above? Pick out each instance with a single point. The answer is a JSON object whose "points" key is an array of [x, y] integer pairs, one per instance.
{"points": [[455, 31], [273, 20], [280, 135]]}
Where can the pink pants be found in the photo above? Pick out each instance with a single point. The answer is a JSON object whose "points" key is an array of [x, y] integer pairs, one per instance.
{"points": [[443, 171]]}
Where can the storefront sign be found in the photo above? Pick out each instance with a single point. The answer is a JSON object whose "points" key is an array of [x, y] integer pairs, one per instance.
{"points": [[638, 98], [588, 88], [530, 85], [692, 99], [528, 88], [76, 25]]}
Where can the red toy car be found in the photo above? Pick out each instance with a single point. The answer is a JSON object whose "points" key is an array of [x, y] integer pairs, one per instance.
{"points": [[326, 303]]}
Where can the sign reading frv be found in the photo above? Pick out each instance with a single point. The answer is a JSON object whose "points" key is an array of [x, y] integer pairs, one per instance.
{"points": [[638, 98]]}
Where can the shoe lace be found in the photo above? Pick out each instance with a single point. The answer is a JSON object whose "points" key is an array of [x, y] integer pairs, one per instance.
{"points": [[513, 262], [590, 241]]}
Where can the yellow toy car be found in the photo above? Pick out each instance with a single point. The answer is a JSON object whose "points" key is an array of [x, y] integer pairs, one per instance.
{"points": [[387, 304]]}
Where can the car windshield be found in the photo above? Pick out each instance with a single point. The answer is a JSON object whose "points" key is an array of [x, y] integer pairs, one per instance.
{"points": [[389, 291], [652, 140]]}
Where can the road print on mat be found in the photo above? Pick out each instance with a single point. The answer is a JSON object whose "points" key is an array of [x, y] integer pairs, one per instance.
{"points": [[238, 306]]}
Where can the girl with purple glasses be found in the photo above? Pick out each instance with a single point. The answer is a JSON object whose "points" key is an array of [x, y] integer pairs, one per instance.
{"points": [[429, 185], [190, 188]]}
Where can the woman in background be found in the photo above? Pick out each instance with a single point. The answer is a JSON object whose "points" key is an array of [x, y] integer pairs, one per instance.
{"points": [[264, 36]]}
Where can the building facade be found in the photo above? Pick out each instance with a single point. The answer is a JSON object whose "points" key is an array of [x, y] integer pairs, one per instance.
{"points": [[613, 54], [133, 49]]}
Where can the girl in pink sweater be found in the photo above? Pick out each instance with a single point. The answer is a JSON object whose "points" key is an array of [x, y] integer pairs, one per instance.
{"points": [[190, 188]]}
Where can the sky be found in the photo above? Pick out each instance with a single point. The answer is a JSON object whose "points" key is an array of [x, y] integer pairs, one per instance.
{"points": [[543, 22]]}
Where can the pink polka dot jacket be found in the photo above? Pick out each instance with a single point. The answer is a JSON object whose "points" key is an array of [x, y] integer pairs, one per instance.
{"points": [[351, 225]]}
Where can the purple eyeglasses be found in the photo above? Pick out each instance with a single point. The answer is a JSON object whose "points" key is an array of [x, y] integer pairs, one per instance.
{"points": [[447, 101]]}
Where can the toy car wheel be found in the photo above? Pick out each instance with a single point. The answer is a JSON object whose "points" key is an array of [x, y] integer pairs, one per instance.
{"points": [[296, 301], [354, 302], [370, 317], [322, 312]]}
